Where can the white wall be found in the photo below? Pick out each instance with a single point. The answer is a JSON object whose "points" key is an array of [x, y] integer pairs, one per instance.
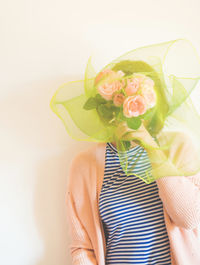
{"points": [[44, 43]]}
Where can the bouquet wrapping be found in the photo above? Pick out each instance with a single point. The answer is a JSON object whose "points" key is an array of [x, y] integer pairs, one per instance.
{"points": [[155, 86]]}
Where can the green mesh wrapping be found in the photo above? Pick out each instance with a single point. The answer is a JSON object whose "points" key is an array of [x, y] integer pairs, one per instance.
{"points": [[174, 67]]}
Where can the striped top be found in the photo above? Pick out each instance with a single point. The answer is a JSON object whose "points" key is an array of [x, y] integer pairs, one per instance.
{"points": [[132, 214]]}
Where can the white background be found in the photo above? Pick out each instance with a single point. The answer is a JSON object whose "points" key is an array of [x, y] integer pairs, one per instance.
{"points": [[44, 43]]}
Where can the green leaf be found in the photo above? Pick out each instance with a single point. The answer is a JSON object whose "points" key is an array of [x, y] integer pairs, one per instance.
{"points": [[110, 103], [105, 112], [121, 115], [114, 109], [91, 103], [148, 115], [134, 123], [100, 99]]}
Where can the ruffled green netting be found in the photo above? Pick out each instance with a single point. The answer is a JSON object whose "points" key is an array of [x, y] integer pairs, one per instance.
{"points": [[173, 123]]}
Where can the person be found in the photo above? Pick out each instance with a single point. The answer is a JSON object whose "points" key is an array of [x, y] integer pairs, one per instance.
{"points": [[115, 219], [134, 196]]}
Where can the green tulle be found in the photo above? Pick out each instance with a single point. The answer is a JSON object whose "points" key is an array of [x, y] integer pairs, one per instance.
{"points": [[174, 124]]}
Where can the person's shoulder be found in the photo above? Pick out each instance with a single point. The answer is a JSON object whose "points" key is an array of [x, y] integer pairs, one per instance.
{"points": [[181, 150], [176, 140], [91, 153], [82, 162], [85, 159]]}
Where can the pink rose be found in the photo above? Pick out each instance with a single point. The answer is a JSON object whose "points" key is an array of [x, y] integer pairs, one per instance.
{"points": [[110, 74], [140, 77], [149, 82], [149, 95], [132, 87], [107, 90], [118, 99], [123, 82], [103, 74], [134, 106], [118, 85], [120, 73]]}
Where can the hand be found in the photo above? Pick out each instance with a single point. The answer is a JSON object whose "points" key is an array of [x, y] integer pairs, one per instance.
{"points": [[161, 164], [123, 132]]}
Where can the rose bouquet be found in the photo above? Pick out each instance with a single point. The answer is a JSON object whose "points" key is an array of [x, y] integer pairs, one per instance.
{"points": [[121, 97], [145, 92]]}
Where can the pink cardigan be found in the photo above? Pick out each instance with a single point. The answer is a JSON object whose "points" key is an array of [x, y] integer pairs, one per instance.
{"points": [[181, 205]]}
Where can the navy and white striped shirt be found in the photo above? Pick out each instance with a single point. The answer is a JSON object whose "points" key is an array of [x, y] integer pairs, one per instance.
{"points": [[132, 214]]}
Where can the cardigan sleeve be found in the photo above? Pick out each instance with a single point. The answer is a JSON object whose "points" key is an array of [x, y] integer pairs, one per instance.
{"points": [[181, 199], [82, 252], [181, 194]]}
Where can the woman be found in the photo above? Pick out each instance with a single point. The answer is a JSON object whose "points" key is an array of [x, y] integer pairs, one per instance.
{"points": [[174, 235], [151, 213]]}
